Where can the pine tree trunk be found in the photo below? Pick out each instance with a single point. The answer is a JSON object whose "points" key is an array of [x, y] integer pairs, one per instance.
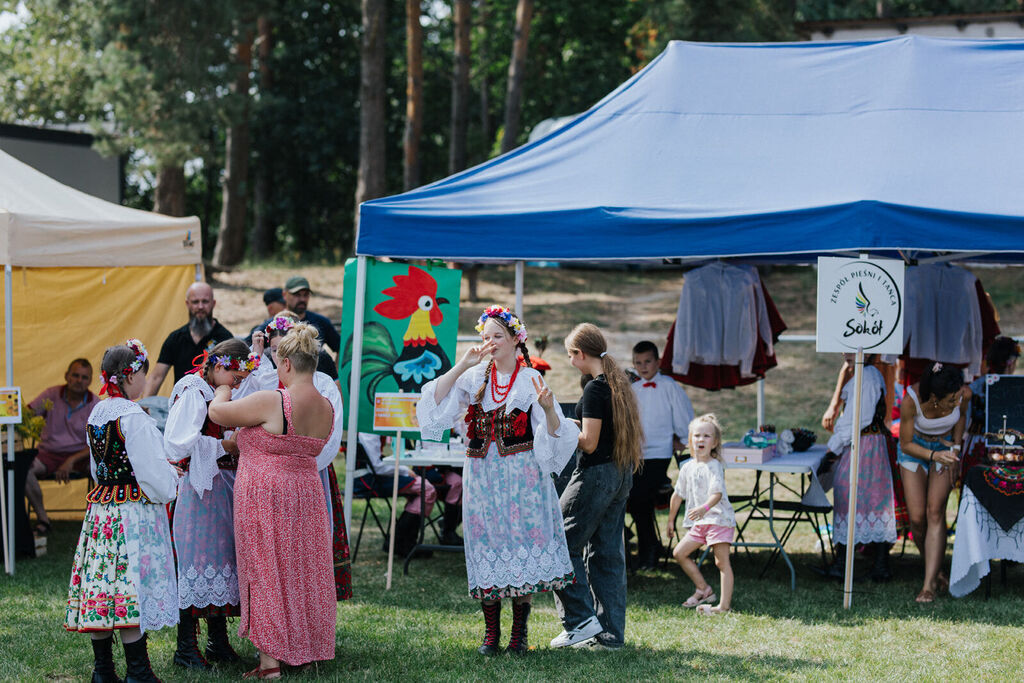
{"points": [[413, 94], [262, 240], [372, 158], [460, 88], [169, 193], [485, 82], [516, 73], [230, 248]]}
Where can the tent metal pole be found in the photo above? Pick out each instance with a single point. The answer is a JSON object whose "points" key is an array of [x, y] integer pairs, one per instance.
{"points": [[760, 402], [7, 500], [353, 388], [520, 275]]}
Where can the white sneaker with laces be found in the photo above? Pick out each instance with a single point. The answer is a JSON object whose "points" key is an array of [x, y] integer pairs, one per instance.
{"points": [[574, 638]]}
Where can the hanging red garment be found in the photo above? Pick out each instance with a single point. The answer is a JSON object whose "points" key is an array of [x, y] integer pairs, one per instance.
{"points": [[715, 377]]}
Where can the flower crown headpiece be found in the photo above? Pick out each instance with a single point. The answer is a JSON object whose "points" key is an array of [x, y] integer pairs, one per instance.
{"points": [[251, 362], [110, 381], [280, 323], [508, 317]]}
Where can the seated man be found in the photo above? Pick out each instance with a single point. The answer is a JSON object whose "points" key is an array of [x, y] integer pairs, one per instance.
{"points": [[419, 493], [63, 448]]}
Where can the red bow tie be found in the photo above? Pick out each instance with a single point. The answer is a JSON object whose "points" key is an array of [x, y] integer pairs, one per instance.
{"points": [[650, 384]]}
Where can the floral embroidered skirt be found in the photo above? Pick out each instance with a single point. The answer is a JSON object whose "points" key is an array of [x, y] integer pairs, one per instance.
{"points": [[514, 538], [204, 541], [876, 516], [123, 572]]}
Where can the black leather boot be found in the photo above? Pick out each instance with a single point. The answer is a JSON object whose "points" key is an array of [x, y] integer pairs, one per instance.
{"points": [[218, 647], [103, 670], [407, 533], [452, 519], [492, 627], [880, 570], [187, 653], [518, 640], [137, 656], [838, 568]]}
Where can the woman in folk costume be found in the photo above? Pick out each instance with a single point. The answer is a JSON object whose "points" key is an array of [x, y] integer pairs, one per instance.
{"points": [[282, 529], [512, 525], [204, 526], [266, 379], [122, 577]]}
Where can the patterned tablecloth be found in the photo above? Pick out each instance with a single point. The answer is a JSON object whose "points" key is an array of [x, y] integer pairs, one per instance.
{"points": [[990, 525]]}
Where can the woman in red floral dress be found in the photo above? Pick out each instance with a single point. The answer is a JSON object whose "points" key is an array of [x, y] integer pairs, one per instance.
{"points": [[282, 530]]}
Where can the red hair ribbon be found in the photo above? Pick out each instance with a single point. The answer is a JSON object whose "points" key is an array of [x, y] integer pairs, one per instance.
{"points": [[110, 387], [199, 362]]}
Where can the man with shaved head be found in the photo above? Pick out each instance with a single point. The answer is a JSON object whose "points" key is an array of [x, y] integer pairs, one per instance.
{"points": [[201, 333]]}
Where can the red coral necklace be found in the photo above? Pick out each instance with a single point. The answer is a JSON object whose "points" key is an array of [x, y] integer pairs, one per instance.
{"points": [[499, 392]]}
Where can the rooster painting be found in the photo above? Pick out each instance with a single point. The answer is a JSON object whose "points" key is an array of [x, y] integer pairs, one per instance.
{"points": [[413, 297]]}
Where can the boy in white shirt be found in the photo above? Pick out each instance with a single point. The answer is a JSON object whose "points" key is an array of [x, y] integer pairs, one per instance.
{"points": [[665, 412]]}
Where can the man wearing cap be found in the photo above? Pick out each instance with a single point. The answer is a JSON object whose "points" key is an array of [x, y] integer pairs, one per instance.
{"points": [[274, 300], [296, 297], [201, 333]]}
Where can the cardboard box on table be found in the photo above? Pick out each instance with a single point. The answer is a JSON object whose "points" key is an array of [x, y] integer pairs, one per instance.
{"points": [[736, 453]]}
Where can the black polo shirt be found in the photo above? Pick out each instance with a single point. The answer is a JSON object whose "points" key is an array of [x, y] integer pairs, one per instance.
{"points": [[179, 349]]}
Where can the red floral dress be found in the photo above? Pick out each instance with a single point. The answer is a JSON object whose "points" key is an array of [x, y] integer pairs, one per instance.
{"points": [[283, 542]]}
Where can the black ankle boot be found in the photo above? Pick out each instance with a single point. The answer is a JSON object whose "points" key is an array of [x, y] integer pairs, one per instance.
{"points": [[187, 653], [492, 627], [218, 647], [452, 519], [137, 657], [103, 670], [880, 571], [518, 640], [407, 533], [838, 568]]}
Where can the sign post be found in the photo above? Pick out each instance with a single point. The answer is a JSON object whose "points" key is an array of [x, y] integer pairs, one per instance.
{"points": [[860, 307], [394, 412]]}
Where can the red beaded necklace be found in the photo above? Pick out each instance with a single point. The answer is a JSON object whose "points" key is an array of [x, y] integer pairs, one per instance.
{"points": [[501, 390]]}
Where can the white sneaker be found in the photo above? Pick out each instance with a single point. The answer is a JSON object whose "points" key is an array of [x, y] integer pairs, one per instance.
{"points": [[585, 631]]}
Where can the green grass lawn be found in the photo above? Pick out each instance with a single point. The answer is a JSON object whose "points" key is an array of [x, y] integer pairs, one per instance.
{"points": [[426, 628]]}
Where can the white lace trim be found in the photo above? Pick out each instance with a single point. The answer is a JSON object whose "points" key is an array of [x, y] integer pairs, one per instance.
{"points": [[191, 382], [202, 467], [869, 528], [151, 564], [518, 565], [209, 586], [112, 409]]}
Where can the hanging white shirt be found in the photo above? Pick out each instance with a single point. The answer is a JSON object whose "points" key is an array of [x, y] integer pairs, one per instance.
{"points": [[872, 389], [942, 319], [665, 411], [721, 314]]}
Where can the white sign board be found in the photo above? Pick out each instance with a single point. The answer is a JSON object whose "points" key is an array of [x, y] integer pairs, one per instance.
{"points": [[860, 305]]}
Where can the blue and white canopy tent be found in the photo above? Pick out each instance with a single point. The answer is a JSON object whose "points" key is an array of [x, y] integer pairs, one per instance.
{"points": [[781, 152]]}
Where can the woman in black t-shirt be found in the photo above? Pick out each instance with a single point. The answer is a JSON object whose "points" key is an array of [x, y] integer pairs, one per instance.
{"points": [[594, 501]]}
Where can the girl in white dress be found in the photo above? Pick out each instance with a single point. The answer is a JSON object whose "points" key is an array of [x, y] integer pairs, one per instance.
{"points": [[512, 525], [122, 577], [204, 526]]}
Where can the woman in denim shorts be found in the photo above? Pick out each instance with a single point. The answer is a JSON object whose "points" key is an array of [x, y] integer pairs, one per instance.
{"points": [[931, 437]]}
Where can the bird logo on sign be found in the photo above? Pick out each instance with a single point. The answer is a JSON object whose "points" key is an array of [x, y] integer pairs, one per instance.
{"points": [[863, 303]]}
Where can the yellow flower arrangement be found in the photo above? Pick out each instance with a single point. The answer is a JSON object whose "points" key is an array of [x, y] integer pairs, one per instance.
{"points": [[31, 427]]}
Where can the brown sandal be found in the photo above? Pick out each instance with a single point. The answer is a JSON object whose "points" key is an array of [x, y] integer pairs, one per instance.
{"points": [[263, 673], [925, 596]]}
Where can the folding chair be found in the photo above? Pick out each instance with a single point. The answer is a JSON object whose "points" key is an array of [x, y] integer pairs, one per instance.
{"points": [[371, 498]]}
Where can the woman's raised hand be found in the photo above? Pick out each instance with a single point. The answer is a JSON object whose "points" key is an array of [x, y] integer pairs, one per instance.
{"points": [[258, 342], [475, 354], [544, 396]]}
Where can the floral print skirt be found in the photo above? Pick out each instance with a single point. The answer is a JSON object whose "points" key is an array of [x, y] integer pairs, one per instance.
{"points": [[123, 573]]}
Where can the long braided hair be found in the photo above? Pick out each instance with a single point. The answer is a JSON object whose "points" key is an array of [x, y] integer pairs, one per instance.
{"points": [[479, 396], [629, 433]]}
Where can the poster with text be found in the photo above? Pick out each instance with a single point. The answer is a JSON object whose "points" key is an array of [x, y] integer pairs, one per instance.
{"points": [[409, 328], [860, 305]]}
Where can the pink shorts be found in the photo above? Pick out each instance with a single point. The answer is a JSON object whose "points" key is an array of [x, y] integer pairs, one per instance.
{"points": [[710, 534]]}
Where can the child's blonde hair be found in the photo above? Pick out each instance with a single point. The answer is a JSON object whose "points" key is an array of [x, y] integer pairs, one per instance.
{"points": [[711, 419]]}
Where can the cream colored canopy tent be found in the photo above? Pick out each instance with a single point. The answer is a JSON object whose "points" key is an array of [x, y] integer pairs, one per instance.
{"points": [[82, 274]]}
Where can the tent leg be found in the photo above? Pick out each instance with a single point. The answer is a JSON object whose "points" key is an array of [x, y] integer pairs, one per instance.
{"points": [[7, 496], [353, 387], [520, 275]]}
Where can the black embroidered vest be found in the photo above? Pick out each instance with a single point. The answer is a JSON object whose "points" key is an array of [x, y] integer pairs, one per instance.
{"points": [[511, 432], [116, 481]]}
